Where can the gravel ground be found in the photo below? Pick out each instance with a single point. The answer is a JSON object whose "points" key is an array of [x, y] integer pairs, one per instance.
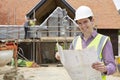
{"points": [[50, 73]]}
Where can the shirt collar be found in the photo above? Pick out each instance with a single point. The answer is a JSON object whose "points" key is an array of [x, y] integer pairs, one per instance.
{"points": [[94, 33]]}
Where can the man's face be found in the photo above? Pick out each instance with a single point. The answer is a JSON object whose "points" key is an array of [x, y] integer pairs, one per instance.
{"points": [[85, 25]]}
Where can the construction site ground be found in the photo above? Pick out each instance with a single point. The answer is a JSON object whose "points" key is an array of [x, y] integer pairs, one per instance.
{"points": [[48, 73]]}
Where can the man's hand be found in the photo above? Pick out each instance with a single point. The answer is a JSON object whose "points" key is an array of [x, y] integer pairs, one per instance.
{"points": [[99, 66], [57, 56]]}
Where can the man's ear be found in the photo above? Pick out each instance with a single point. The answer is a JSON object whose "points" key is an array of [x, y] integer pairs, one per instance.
{"points": [[92, 21]]}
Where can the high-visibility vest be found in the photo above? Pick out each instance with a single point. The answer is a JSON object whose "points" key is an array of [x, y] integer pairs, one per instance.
{"points": [[32, 23], [98, 43]]}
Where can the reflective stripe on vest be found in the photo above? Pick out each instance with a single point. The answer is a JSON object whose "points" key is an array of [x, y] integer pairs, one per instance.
{"points": [[98, 43]]}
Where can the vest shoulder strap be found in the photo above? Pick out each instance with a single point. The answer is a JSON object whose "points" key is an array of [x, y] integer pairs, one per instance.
{"points": [[77, 43], [95, 42], [101, 45]]}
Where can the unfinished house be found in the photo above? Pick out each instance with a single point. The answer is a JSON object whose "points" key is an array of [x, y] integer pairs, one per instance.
{"points": [[58, 27]]}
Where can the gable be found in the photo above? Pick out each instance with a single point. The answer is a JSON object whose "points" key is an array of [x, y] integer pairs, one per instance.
{"points": [[58, 23], [45, 7]]}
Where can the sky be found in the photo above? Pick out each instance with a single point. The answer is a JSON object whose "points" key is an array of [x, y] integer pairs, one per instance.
{"points": [[117, 4]]}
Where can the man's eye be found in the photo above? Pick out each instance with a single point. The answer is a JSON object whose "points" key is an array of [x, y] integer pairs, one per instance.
{"points": [[79, 23], [85, 21]]}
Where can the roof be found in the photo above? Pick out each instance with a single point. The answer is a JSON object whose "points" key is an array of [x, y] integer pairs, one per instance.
{"points": [[14, 11], [45, 7], [106, 15]]}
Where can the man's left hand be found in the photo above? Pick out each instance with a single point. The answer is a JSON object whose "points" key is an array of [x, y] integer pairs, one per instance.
{"points": [[99, 66]]}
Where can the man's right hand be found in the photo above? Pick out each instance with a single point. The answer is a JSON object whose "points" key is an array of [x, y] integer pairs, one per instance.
{"points": [[57, 56]]}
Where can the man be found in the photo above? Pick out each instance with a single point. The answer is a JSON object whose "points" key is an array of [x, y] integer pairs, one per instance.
{"points": [[26, 27], [85, 19], [29, 28]]}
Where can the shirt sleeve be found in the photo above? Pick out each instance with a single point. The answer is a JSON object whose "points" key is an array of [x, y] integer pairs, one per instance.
{"points": [[108, 58]]}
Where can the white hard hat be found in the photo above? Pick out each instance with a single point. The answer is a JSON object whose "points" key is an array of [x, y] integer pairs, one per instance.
{"points": [[83, 12]]}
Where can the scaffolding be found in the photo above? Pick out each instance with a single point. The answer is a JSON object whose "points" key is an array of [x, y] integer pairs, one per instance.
{"points": [[58, 26]]}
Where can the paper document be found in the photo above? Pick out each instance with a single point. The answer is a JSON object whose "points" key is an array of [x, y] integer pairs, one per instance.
{"points": [[78, 63]]}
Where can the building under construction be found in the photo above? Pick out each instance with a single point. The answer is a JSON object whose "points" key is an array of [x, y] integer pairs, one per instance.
{"points": [[54, 23]]}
